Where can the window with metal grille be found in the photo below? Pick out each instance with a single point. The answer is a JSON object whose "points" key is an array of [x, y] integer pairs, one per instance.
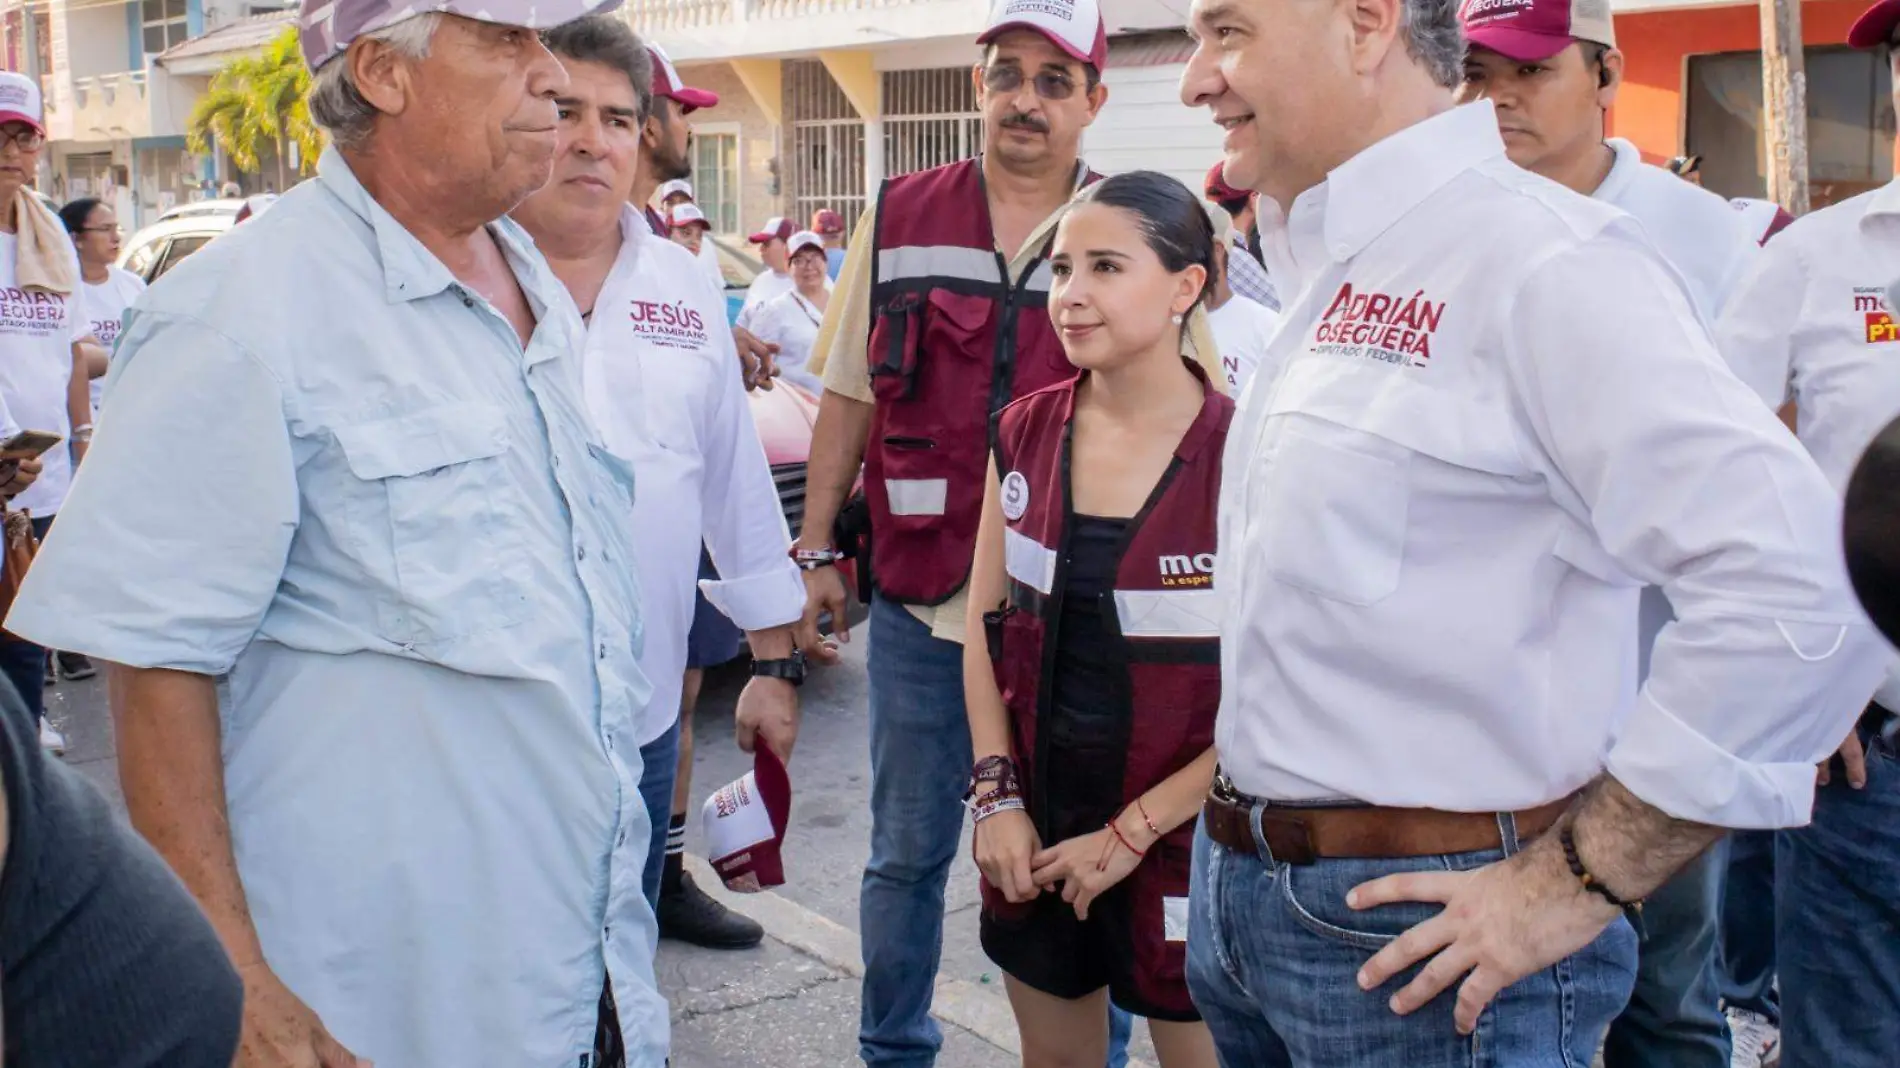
{"points": [[930, 118], [716, 179], [826, 164]]}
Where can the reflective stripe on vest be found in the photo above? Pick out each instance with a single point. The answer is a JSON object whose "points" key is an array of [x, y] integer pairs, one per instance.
{"points": [[952, 262], [1169, 613]]}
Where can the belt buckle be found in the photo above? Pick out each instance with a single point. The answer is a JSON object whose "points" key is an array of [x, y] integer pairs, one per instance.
{"points": [[1223, 789]]}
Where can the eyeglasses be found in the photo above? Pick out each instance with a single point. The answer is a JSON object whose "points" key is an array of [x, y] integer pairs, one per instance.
{"points": [[120, 230], [1050, 85], [26, 137]]}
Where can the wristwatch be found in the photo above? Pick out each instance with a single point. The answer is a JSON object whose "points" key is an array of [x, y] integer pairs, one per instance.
{"points": [[791, 669]]}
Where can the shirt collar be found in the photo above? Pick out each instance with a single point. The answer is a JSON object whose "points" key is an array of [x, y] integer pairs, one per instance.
{"points": [[410, 270], [1884, 202], [1623, 170], [1366, 195]]}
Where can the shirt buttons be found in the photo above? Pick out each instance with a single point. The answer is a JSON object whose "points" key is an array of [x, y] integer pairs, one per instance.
{"points": [[603, 650], [581, 552]]}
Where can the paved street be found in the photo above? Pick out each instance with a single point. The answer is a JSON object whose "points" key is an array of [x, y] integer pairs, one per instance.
{"points": [[793, 1002]]}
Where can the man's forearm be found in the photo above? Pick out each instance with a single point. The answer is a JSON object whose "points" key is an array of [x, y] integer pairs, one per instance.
{"points": [[1631, 846], [172, 770], [837, 451], [773, 643], [98, 359]]}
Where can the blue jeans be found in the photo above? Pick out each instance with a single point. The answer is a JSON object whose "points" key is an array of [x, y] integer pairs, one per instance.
{"points": [[920, 765], [1675, 1016], [1837, 927], [1747, 973], [659, 770], [1273, 955]]}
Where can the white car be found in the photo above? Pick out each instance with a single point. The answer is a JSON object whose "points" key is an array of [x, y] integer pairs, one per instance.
{"points": [[184, 230]]}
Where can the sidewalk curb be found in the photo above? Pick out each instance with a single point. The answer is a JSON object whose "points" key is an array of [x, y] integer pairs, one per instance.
{"points": [[982, 1012]]}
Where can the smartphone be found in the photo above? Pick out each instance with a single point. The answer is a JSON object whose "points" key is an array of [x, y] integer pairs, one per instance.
{"points": [[27, 444]]}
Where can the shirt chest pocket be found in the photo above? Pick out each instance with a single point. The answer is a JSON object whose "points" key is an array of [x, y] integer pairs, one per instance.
{"points": [[436, 489], [1334, 480]]}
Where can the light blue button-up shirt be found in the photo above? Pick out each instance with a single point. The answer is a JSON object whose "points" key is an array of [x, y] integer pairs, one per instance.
{"points": [[333, 472]]}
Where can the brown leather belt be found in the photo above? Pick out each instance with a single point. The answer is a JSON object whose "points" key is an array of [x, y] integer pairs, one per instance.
{"points": [[1303, 835]]}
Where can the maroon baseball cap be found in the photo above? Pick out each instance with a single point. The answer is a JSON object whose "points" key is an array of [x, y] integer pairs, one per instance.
{"points": [[825, 221], [1074, 26], [1217, 188], [1533, 30], [667, 83], [1875, 25], [745, 823]]}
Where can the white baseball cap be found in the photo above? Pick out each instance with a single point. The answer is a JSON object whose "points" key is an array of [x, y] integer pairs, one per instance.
{"points": [[745, 823], [20, 100], [688, 215], [677, 187], [1075, 26], [776, 228], [803, 239]]}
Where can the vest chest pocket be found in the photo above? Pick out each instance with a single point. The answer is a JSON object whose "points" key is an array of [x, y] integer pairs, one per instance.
{"points": [[442, 516]]}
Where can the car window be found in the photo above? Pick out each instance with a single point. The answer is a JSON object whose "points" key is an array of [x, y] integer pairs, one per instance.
{"points": [[182, 246], [141, 260]]}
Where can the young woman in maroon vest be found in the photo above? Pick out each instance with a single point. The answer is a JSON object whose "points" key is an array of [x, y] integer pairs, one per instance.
{"points": [[1092, 707]]}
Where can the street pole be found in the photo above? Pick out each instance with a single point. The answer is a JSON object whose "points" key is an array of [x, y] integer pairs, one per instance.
{"points": [[1784, 104]]}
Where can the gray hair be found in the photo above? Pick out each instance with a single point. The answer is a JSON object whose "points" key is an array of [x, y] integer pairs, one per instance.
{"points": [[338, 105], [610, 42], [1435, 39]]}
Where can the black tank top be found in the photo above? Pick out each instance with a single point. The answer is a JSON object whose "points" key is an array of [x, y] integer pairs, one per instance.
{"points": [[1091, 715], [107, 961]]}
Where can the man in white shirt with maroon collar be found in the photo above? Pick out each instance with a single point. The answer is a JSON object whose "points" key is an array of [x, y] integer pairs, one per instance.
{"points": [[1551, 68], [663, 386], [1496, 416]]}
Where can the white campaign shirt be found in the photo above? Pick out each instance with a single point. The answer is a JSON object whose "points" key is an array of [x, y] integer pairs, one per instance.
{"points": [[1711, 245], [662, 382], [1242, 330], [1496, 416], [767, 285], [37, 332], [1698, 232], [105, 303], [1812, 322], [791, 322]]}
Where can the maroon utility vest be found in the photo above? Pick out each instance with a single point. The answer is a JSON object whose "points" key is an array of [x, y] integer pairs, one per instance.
{"points": [[1163, 613], [953, 340]]}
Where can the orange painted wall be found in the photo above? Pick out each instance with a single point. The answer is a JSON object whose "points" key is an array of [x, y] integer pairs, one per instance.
{"points": [[1655, 44]]}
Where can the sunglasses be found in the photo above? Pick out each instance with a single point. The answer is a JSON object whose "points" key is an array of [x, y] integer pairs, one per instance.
{"points": [[1050, 84]]}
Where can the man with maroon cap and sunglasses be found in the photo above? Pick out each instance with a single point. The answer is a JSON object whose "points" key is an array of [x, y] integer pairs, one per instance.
{"points": [[1551, 69], [1813, 325]]}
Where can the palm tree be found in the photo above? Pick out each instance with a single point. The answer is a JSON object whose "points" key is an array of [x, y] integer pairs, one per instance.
{"points": [[256, 101]]}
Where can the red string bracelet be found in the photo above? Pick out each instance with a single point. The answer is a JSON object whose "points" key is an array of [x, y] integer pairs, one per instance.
{"points": [[1145, 818]]}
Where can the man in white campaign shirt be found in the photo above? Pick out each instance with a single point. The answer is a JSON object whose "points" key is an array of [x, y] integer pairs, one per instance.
{"points": [[1496, 416], [664, 387], [1552, 70], [1814, 323]]}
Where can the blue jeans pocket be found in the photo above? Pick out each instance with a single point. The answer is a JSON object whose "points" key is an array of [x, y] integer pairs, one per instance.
{"points": [[1316, 895]]}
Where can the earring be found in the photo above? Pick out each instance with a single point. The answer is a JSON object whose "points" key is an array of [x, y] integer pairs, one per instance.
{"points": [[1177, 320]]}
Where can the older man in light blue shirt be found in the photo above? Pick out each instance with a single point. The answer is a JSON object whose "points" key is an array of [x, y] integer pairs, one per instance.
{"points": [[349, 464]]}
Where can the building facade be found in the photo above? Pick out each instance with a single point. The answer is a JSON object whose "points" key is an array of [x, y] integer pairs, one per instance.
{"points": [[1693, 85], [116, 102]]}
